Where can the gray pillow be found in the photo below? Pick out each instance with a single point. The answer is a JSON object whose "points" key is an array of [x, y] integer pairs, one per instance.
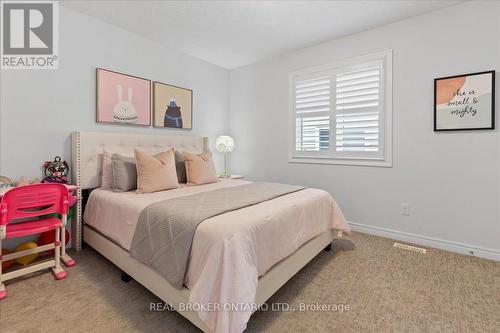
{"points": [[180, 166], [124, 171]]}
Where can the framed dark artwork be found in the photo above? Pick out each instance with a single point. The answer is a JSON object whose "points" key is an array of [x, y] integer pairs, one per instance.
{"points": [[465, 102], [122, 98], [172, 106]]}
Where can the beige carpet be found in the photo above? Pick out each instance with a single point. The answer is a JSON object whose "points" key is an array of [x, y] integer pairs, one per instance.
{"points": [[388, 290]]}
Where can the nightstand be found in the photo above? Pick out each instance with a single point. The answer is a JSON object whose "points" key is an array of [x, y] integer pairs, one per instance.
{"points": [[233, 177]]}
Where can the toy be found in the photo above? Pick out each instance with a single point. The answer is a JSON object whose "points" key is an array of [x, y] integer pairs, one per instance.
{"points": [[30, 257], [5, 180], [8, 263], [5, 184], [48, 237], [56, 171], [22, 181]]}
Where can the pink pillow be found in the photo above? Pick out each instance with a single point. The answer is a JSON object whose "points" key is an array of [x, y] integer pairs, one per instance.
{"points": [[155, 172], [200, 168]]}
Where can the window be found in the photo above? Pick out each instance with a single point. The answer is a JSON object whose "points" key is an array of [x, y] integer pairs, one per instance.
{"points": [[341, 113]]}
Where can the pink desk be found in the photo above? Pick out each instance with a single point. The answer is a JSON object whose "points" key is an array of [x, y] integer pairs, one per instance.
{"points": [[65, 258]]}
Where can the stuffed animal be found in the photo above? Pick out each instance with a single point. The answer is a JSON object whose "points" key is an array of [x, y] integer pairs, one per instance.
{"points": [[5, 180], [56, 171], [23, 181], [5, 184]]}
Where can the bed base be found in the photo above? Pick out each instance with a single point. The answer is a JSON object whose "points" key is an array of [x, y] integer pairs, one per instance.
{"points": [[125, 277], [268, 284]]}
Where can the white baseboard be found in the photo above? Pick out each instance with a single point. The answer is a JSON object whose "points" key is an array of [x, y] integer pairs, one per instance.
{"points": [[427, 241]]}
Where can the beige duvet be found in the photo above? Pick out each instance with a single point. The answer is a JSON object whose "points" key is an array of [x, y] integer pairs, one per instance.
{"points": [[229, 251]]}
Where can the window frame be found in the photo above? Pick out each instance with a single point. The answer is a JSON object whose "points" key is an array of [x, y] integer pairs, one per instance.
{"points": [[383, 158]]}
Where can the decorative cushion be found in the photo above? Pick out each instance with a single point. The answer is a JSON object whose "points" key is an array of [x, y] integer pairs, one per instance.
{"points": [[200, 168], [107, 172], [155, 173], [124, 173], [108, 151]]}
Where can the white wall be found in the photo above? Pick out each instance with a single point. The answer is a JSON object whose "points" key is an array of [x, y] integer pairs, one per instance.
{"points": [[450, 180], [39, 109]]}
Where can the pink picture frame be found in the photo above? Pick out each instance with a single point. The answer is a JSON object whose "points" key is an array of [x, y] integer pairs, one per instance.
{"points": [[122, 99]]}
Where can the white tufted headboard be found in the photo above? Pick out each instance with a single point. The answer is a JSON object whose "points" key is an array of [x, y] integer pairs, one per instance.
{"points": [[86, 161], [87, 148]]}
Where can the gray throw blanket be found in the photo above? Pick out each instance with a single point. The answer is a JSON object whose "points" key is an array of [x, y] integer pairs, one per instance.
{"points": [[165, 230]]}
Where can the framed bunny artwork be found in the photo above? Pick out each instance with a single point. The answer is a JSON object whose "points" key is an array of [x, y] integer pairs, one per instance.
{"points": [[122, 98]]}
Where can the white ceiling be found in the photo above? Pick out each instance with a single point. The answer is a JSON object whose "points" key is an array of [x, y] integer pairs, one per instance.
{"points": [[236, 33]]}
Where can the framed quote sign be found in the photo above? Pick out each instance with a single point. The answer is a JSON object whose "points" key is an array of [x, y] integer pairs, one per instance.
{"points": [[465, 102]]}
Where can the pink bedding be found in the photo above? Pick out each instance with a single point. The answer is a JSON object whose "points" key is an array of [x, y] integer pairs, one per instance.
{"points": [[229, 251]]}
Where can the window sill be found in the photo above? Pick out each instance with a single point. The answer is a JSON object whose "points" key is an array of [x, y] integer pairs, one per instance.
{"points": [[342, 161]]}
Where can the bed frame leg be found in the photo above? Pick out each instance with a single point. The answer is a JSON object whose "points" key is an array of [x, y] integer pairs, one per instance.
{"points": [[328, 247], [125, 277]]}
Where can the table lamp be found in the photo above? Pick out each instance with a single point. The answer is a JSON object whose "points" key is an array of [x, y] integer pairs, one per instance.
{"points": [[225, 144]]}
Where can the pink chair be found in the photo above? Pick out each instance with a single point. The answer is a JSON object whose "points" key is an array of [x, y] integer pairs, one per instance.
{"points": [[24, 205]]}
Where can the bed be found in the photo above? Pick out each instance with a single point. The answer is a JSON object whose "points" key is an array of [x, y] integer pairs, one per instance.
{"points": [[239, 257]]}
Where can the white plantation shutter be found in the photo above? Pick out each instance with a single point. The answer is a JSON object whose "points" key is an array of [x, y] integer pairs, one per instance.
{"points": [[357, 115], [312, 111], [342, 112]]}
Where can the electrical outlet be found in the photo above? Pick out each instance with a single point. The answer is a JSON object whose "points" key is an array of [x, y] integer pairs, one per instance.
{"points": [[405, 209]]}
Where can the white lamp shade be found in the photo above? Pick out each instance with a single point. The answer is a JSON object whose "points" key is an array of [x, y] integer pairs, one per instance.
{"points": [[224, 144]]}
